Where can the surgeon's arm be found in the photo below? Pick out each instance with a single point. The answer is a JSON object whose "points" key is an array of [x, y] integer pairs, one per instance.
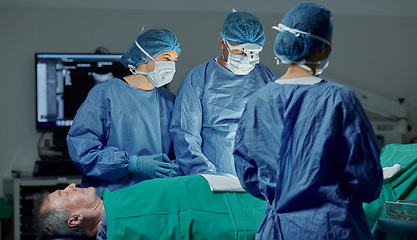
{"points": [[87, 141], [363, 169], [186, 123], [245, 164], [246, 169]]}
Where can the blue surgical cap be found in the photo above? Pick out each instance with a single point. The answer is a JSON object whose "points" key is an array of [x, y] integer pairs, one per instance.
{"points": [[308, 17], [242, 27], [154, 42]]}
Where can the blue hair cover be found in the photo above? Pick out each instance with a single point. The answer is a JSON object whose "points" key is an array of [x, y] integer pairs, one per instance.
{"points": [[154, 42], [242, 27], [308, 17]]}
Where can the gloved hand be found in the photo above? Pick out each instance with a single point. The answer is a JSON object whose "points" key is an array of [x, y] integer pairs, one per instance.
{"points": [[153, 166]]}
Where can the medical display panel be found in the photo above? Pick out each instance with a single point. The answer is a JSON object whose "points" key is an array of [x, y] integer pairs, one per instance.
{"points": [[64, 80]]}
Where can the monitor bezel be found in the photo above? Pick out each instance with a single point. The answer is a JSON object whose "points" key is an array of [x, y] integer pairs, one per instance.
{"points": [[48, 126]]}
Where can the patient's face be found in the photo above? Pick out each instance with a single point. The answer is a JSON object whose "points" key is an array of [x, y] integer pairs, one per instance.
{"points": [[73, 198]]}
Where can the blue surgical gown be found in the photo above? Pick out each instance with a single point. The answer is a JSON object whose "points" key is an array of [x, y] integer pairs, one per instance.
{"points": [[209, 104], [116, 121], [311, 153]]}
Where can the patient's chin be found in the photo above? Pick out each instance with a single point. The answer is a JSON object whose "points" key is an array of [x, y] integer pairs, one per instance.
{"points": [[90, 191]]}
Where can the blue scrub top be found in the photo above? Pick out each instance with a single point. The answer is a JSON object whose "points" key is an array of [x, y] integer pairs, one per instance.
{"points": [[209, 104], [116, 121], [310, 151]]}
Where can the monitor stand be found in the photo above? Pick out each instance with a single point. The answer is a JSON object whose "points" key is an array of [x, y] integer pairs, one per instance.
{"points": [[59, 140]]}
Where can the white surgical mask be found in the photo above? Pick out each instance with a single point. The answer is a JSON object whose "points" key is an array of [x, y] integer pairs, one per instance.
{"points": [[322, 64], [162, 74], [240, 64]]}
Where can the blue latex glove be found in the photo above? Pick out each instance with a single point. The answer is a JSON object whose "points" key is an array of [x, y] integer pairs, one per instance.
{"points": [[153, 166]]}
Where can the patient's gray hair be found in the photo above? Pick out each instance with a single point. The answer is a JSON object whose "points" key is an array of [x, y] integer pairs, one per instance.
{"points": [[52, 222]]}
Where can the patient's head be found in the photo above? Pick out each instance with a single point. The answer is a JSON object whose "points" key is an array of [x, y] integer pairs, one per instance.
{"points": [[71, 211]]}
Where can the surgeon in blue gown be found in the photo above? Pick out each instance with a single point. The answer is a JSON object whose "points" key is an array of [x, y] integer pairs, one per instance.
{"points": [[120, 135], [211, 99], [304, 144]]}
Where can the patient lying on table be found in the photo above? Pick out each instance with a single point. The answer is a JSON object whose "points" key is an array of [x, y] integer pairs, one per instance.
{"points": [[166, 208]]}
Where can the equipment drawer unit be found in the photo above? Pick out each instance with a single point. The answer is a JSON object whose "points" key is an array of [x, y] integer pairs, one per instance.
{"points": [[19, 194]]}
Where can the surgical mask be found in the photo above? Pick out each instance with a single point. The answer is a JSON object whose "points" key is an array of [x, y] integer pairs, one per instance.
{"points": [[162, 74], [240, 64], [322, 63]]}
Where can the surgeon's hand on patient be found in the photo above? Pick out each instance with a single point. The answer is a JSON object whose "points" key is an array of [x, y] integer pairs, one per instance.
{"points": [[153, 166]]}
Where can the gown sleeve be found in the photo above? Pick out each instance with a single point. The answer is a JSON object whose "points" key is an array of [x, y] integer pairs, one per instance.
{"points": [[246, 167], [87, 140], [363, 169], [186, 125], [256, 140]]}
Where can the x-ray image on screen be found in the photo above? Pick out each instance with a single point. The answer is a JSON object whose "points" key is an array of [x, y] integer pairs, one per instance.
{"points": [[64, 80]]}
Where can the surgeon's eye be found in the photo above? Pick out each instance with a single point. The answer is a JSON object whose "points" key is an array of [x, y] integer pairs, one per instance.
{"points": [[239, 52]]}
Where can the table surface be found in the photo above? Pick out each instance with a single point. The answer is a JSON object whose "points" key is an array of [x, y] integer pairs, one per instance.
{"points": [[391, 229]]}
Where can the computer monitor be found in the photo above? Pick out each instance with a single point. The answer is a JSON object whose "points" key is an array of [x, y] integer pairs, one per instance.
{"points": [[64, 80], [62, 83]]}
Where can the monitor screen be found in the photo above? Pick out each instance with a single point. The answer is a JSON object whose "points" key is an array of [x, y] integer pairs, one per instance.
{"points": [[64, 80]]}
